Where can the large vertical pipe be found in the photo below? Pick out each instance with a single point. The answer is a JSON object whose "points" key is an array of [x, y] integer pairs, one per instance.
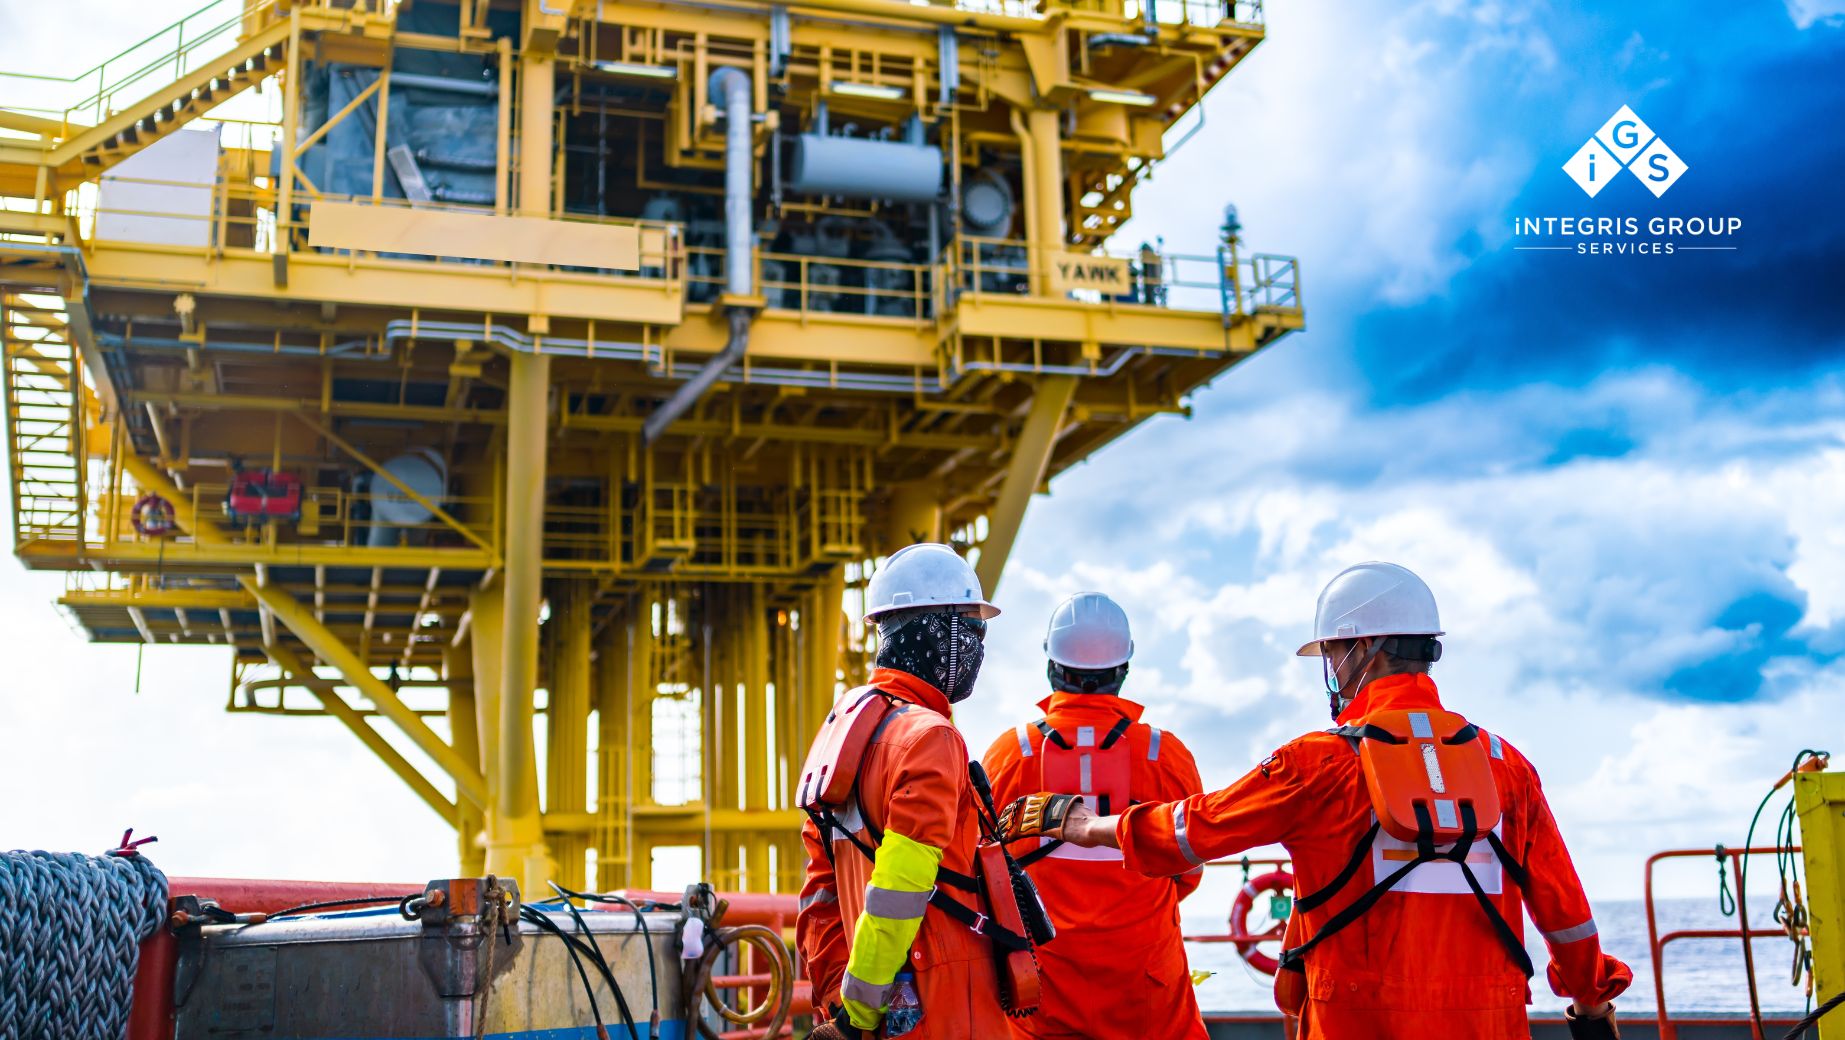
{"points": [[464, 736], [613, 688], [733, 85], [517, 803], [537, 101], [739, 246], [567, 725], [759, 757], [1044, 193]]}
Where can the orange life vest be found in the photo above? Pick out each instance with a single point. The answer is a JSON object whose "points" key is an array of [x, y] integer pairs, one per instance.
{"points": [[1097, 767], [1430, 783], [1011, 915]]}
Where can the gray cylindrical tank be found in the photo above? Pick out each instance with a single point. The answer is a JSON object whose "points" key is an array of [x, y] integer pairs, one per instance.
{"points": [[857, 168]]}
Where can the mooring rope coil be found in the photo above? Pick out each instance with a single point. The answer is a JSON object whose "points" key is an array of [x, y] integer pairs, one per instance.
{"points": [[70, 932]]}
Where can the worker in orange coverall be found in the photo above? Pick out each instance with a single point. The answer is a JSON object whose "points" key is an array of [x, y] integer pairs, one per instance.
{"points": [[1423, 960], [863, 920], [1118, 939]]}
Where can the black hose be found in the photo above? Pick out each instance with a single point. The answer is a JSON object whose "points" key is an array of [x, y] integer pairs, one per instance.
{"points": [[1800, 1028], [594, 952], [653, 969], [333, 904], [543, 921]]}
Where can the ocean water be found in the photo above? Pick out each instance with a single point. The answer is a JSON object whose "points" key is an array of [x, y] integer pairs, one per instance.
{"points": [[1702, 975]]}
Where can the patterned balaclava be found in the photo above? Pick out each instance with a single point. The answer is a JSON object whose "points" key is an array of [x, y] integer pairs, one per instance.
{"points": [[942, 648]]}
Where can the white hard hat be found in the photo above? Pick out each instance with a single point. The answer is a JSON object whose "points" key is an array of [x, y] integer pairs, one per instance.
{"points": [[1088, 631], [927, 574], [1373, 599]]}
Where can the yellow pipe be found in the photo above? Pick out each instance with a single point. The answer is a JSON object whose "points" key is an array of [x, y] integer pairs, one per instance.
{"points": [[1045, 193], [537, 102], [1024, 473], [300, 673], [515, 832], [464, 735], [409, 492], [567, 722]]}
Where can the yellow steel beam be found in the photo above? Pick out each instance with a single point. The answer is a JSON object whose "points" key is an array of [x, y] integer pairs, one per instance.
{"points": [[567, 721], [318, 637], [683, 818], [1819, 798], [398, 284], [464, 731], [202, 553], [292, 665], [1024, 473], [159, 599], [329, 648], [515, 832]]}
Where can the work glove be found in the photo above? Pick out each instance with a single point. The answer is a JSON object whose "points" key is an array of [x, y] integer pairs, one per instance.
{"points": [[840, 1028], [1594, 1025], [1035, 815]]}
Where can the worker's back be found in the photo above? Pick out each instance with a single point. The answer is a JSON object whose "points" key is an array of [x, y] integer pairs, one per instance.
{"points": [[1118, 942], [1426, 959]]}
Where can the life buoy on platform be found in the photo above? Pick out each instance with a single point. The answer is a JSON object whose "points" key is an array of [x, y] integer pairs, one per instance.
{"points": [[1277, 883], [152, 517]]}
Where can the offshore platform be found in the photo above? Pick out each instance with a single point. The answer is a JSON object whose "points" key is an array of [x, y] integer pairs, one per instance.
{"points": [[547, 377]]}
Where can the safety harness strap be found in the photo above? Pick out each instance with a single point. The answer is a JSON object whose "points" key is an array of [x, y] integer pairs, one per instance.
{"points": [[976, 922], [1359, 856], [1038, 853], [1425, 853], [1114, 734], [1051, 734]]}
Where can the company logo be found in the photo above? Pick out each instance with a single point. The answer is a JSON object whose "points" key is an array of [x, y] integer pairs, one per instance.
{"points": [[1625, 142]]}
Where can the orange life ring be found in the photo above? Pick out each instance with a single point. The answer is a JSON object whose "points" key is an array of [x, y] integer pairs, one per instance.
{"points": [[1276, 881], [152, 517]]}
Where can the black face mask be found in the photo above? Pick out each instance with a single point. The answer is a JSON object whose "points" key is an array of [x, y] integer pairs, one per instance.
{"points": [[942, 648]]}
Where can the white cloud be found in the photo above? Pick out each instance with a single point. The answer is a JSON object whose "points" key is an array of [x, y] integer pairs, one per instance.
{"points": [[1806, 13], [1573, 593]]}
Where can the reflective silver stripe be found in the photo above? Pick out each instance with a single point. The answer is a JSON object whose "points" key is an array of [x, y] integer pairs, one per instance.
{"points": [[1153, 744], [864, 992], [1085, 736], [1083, 780], [893, 905], [1419, 725], [1178, 831], [1570, 935], [1024, 741], [1498, 751], [823, 895]]}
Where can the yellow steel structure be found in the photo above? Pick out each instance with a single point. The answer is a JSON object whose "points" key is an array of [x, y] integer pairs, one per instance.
{"points": [[441, 264], [1819, 798]]}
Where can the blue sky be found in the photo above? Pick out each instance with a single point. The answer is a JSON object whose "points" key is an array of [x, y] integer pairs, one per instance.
{"points": [[1623, 476]]}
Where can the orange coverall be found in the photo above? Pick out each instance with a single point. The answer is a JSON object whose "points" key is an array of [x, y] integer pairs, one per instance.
{"points": [[1117, 967], [1425, 960], [913, 782]]}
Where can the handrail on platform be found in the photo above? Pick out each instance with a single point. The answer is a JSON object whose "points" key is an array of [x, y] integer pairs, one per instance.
{"points": [[1656, 943]]}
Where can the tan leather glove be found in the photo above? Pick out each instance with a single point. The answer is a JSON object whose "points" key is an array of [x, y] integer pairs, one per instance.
{"points": [[1035, 815]]}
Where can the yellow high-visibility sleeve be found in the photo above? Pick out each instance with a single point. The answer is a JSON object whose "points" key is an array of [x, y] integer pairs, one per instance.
{"points": [[902, 877]]}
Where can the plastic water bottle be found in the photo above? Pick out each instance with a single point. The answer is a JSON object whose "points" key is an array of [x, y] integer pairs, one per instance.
{"points": [[906, 1010]]}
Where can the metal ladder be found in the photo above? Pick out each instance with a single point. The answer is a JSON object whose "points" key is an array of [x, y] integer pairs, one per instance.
{"points": [[44, 423]]}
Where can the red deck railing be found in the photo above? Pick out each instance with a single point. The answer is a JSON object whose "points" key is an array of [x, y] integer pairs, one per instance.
{"points": [[1668, 1029]]}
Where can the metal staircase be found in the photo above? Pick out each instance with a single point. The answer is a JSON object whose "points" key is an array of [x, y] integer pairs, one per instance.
{"points": [[44, 425], [134, 127]]}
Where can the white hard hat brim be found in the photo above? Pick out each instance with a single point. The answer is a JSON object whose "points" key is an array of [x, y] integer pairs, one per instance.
{"points": [[980, 608], [1316, 648]]}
